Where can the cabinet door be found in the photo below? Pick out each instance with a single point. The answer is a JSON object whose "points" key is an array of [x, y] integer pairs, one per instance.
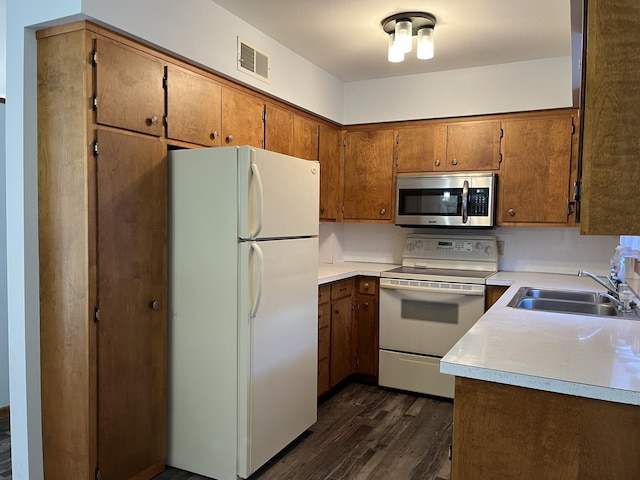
{"points": [[610, 147], [367, 327], [129, 88], [368, 171], [242, 119], [421, 149], [305, 138], [324, 343], [132, 280], [194, 105], [473, 146], [330, 150], [536, 170], [342, 355], [278, 128]]}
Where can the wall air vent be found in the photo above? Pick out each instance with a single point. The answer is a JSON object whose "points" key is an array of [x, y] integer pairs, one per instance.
{"points": [[253, 61]]}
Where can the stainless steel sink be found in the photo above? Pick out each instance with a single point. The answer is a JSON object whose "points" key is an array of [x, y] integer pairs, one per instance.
{"points": [[568, 295], [565, 306], [568, 301]]}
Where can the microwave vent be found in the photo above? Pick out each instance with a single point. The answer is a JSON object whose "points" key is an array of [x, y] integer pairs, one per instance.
{"points": [[252, 61]]}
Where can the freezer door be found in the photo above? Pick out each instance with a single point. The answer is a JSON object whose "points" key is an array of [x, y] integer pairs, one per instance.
{"points": [[277, 347], [278, 195]]}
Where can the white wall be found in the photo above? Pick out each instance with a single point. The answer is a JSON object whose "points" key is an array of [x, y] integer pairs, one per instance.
{"points": [[511, 87], [530, 249], [4, 325]]}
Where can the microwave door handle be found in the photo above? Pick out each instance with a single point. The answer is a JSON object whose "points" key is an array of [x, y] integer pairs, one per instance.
{"points": [[465, 201]]}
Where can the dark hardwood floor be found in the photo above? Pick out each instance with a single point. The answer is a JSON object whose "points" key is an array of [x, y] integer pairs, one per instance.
{"points": [[5, 449], [364, 433]]}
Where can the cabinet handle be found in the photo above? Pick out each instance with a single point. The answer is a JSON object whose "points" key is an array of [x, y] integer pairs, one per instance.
{"points": [[437, 163], [383, 211], [454, 161], [155, 305], [151, 121], [214, 135], [229, 138], [511, 212]]}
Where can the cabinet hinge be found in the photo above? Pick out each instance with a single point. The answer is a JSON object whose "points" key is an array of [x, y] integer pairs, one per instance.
{"points": [[94, 57], [342, 208], [344, 142], [577, 187], [95, 148], [264, 116], [396, 162], [501, 132], [96, 474], [398, 139], [570, 207], [165, 120], [164, 82], [96, 314], [573, 129], [94, 101], [450, 451], [500, 158]]}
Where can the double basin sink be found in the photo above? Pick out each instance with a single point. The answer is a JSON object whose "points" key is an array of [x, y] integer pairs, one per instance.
{"points": [[567, 301]]}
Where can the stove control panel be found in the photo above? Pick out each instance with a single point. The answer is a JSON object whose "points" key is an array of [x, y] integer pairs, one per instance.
{"points": [[437, 248]]}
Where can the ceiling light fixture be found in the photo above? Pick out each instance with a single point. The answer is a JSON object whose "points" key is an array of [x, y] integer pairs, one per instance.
{"points": [[402, 27]]}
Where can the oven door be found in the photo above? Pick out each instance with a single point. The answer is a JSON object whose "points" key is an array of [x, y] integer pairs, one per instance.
{"points": [[427, 317]]}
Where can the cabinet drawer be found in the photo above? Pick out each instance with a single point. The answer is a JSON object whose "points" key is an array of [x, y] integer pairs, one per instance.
{"points": [[324, 292], [368, 286], [324, 339], [343, 288], [324, 315]]}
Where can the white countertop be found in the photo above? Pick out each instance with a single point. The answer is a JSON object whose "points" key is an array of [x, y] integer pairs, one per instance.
{"points": [[331, 272], [595, 357]]}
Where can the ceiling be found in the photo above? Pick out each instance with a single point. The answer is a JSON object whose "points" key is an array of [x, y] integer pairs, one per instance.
{"points": [[345, 38]]}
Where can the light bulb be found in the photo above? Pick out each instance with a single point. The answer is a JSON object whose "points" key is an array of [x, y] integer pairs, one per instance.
{"points": [[403, 35], [425, 43], [395, 54]]}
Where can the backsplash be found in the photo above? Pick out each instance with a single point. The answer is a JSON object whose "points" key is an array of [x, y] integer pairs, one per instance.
{"points": [[530, 249]]}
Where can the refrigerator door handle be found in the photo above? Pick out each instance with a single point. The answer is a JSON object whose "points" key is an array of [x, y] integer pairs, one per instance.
{"points": [[255, 248], [259, 193]]}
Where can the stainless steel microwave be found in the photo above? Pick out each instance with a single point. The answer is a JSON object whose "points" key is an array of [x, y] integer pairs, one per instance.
{"points": [[450, 200]]}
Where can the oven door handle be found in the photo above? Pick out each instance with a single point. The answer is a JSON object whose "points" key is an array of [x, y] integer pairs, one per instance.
{"points": [[478, 290], [465, 201]]}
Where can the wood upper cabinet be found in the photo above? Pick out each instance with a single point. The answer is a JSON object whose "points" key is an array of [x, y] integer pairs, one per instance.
{"points": [[306, 135], [473, 146], [330, 151], [421, 149], [278, 128], [611, 101], [194, 105], [536, 172], [368, 175], [129, 91], [242, 118], [440, 147]]}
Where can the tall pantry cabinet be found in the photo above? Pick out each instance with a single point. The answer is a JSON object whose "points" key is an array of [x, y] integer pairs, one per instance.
{"points": [[102, 180]]}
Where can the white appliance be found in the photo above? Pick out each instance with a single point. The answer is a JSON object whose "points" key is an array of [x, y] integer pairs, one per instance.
{"points": [[428, 304], [243, 302]]}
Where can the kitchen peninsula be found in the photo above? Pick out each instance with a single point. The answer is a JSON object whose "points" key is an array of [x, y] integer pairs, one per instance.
{"points": [[544, 395]]}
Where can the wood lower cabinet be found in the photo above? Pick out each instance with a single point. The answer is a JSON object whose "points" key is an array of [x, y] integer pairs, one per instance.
{"points": [[368, 175], [504, 431], [102, 214], [538, 170], [324, 337], [242, 118], [330, 152], [342, 355], [367, 326], [194, 105]]}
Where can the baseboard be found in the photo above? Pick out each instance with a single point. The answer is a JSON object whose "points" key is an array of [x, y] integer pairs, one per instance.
{"points": [[4, 411]]}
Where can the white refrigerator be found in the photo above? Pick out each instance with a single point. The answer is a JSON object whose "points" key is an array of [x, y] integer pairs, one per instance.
{"points": [[243, 263]]}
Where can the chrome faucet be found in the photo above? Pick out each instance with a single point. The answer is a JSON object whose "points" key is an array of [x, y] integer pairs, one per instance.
{"points": [[612, 288]]}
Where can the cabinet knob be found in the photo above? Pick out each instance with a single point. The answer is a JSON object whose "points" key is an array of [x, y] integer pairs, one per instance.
{"points": [[454, 161], [383, 211], [366, 286], [366, 305], [214, 135], [155, 305], [437, 163], [229, 138], [337, 312], [151, 121], [511, 212]]}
